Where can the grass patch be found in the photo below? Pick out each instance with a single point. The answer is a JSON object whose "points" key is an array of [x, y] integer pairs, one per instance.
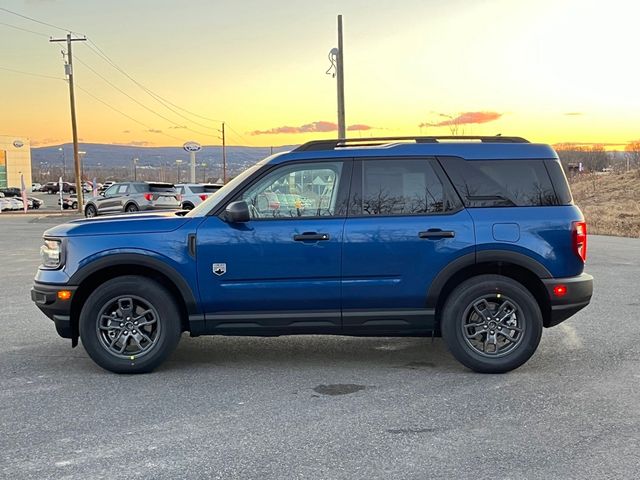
{"points": [[610, 202]]}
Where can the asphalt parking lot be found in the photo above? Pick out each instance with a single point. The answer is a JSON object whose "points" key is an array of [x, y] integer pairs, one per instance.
{"points": [[323, 407]]}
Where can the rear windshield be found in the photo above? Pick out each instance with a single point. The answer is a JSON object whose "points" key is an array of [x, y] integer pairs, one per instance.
{"points": [[161, 187], [204, 188], [506, 183]]}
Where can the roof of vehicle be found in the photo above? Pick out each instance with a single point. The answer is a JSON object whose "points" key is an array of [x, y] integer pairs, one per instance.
{"points": [[468, 147]]}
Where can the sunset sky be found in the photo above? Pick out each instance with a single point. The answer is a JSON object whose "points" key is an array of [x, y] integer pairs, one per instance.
{"points": [[549, 70]]}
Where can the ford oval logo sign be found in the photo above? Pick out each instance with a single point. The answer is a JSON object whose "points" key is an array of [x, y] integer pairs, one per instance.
{"points": [[192, 147], [18, 143]]}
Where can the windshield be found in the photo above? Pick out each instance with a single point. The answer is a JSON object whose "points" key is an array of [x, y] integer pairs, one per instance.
{"points": [[211, 202]]}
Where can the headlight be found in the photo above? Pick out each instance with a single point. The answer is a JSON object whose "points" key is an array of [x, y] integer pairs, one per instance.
{"points": [[51, 253]]}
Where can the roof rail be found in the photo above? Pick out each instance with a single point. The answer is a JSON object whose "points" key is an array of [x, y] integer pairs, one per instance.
{"points": [[376, 141]]}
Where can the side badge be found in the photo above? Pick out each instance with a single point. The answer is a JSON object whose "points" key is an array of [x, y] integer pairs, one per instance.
{"points": [[219, 268]]}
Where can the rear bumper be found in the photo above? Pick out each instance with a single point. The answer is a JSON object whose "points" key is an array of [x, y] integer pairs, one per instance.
{"points": [[578, 295], [45, 296], [160, 207]]}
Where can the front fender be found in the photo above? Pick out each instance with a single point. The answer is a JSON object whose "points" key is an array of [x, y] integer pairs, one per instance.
{"points": [[138, 257]]}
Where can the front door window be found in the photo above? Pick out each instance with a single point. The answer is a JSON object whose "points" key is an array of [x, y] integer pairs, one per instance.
{"points": [[296, 191]]}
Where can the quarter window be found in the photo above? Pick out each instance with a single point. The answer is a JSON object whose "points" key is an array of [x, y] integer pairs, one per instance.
{"points": [[306, 190], [401, 187], [501, 183]]}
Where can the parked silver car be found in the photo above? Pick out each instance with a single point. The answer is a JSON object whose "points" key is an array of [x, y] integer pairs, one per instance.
{"points": [[193, 194], [132, 197]]}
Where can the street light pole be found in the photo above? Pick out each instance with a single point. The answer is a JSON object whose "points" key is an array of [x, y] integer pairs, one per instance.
{"points": [[61, 149], [178, 162]]}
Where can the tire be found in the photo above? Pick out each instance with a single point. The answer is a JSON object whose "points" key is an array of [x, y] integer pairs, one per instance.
{"points": [[90, 211], [114, 306], [468, 334], [74, 205], [71, 191], [132, 207], [187, 206]]}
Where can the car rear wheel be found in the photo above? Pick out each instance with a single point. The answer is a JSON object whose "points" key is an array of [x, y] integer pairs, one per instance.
{"points": [[74, 205], [130, 324], [90, 211], [187, 206], [491, 324], [132, 207]]}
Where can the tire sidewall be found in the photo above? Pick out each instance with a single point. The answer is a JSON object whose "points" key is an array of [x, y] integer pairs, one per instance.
{"points": [[91, 208], [462, 297], [153, 293]]}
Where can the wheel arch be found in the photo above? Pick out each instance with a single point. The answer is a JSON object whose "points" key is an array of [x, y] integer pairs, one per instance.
{"points": [[130, 202], [518, 267], [111, 266], [90, 204]]}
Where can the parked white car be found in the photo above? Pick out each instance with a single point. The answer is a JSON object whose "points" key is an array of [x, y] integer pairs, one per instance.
{"points": [[193, 194], [5, 204], [16, 203]]}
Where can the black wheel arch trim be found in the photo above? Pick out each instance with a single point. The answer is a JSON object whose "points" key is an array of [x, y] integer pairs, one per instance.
{"points": [[482, 256], [515, 258], [120, 259]]}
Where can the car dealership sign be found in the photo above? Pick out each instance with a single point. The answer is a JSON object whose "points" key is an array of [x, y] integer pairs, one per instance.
{"points": [[192, 147]]}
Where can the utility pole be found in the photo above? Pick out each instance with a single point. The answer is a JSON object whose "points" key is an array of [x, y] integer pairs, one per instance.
{"points": [[224, 155], [342, 132], [68, 67]]}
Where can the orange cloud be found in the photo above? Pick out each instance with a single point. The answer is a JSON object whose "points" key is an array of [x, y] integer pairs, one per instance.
{"points": [[359, 127], [464, 118], [313, 127]]}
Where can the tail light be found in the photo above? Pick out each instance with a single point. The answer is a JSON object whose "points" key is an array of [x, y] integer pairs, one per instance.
{"points": [[148, 197], [580, 239], [203, 196]]}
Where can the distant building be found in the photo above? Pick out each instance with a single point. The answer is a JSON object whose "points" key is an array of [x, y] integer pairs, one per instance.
{"points": [[15, 160]]}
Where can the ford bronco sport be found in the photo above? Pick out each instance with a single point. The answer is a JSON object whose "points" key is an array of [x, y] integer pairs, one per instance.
{"points": [[475, 239]]}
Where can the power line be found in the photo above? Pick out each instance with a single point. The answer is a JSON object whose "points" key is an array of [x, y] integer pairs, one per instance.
{"points": [[35, 20], [87, 92], [164, 103], [24, 29], [239, 135], [31, 73], [96, 49], [137, 101], [158, 97]]}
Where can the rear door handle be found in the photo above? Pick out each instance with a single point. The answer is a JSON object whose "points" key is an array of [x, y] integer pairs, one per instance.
{"points": [[436, 233], [310, 237]]}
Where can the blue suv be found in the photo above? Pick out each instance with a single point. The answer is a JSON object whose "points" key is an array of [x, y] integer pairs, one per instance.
{"points": [[475, 239]]}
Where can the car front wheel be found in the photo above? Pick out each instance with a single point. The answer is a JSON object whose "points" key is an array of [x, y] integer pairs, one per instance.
{"points": [[491, 324], [90, 211], [130, 324]]}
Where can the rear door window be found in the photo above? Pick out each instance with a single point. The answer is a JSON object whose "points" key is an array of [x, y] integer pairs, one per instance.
{"points": [[397, 186], [501, 183]]}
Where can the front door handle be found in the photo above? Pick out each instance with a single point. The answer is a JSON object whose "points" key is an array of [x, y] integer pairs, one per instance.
{"points": [[436, 233], [310, 237]]}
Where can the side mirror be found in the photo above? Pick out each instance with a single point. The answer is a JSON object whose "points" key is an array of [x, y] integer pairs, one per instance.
{"points": [[238, 212]]}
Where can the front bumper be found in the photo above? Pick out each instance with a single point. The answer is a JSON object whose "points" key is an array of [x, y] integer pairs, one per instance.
{"points": [[45, 296], [578, 295]]}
